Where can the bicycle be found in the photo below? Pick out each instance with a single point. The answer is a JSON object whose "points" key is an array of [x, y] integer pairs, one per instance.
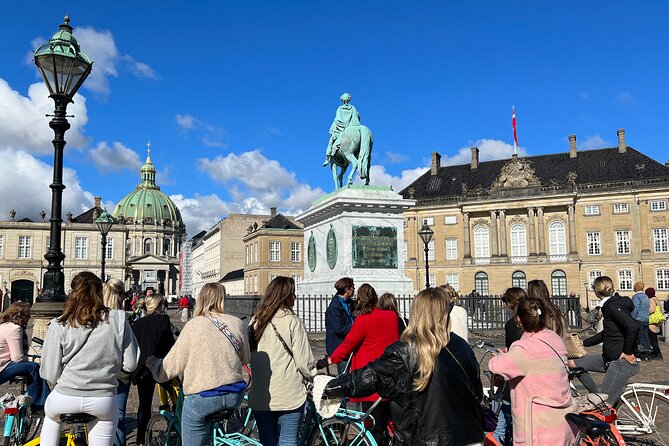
{"points": [[79, 434], [596, 426], [643, 411]]}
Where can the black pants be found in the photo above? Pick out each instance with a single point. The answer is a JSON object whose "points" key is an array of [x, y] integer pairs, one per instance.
{"points": [[381, 414], [145, 387], [653, 343]]}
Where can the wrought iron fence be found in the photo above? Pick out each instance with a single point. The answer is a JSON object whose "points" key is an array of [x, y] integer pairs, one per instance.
{"points": [[484, 312]]}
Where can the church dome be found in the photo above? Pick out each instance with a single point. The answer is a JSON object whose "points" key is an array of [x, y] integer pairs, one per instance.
{"points": [[147, 204]]}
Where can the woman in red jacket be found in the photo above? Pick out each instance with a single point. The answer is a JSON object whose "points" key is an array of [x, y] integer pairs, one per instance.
{"points": [[373, 330]]}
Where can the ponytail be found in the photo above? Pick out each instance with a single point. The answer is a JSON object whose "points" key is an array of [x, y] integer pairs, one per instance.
{"points": [[532, 313]]}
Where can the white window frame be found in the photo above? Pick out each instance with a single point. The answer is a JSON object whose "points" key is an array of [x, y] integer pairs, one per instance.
{"points": [[657, 205], [109, 249], [248, 254], [433, 280], [405, 253], [519, 281], [451, 247], [453, 279], [274, 251], [25, 247], [481, 242], [621, 208], [623, 242], [625, 280], [255, 252], [428, 221], [297, 278], [430, 251], [518, 240], [591, 209], [2, 244], [660, 240], [662, 279], [295, 251], [559, 281], [594, 243], [255, 284], [557, 239], [450, 220], [593, 274]]}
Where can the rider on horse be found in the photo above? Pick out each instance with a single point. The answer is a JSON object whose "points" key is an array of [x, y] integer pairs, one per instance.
{"points": [[346, 116]]}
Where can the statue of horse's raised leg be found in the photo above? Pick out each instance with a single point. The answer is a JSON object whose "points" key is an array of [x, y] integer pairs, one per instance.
{"points": [[354, 162]]}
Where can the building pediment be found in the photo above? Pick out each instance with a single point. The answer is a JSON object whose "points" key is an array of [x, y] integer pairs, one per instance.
{"points": [[516, 173], [149, 259]]}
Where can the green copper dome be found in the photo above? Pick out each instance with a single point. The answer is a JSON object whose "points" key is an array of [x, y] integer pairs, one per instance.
{"points": [[147, 204]]}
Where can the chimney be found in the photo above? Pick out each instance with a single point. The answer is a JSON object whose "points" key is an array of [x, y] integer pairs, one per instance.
{"points": [[475, 158], [572, 146], [98, 201], [622, 147], [436, 163], [272, 212]]}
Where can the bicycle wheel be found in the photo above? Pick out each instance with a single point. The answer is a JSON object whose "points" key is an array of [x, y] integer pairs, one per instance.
{"points": [[338, 432], [644, 412], [605, 440], [160, 433]]}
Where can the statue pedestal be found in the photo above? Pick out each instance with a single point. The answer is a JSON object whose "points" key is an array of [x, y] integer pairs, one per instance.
{"points": [[41, 314], [357, 232]]}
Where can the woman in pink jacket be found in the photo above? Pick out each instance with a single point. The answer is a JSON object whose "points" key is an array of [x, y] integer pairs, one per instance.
{"points": [[536, 368]]}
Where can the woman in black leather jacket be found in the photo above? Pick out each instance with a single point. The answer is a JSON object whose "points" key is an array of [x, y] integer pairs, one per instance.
{"points": [[430, 376]]}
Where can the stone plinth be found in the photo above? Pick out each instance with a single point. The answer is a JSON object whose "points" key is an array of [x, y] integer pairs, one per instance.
{"points": [[42, 313], [358, 232]]}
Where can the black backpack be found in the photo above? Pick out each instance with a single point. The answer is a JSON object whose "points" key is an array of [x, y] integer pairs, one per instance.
{"points": [[666, 306]]}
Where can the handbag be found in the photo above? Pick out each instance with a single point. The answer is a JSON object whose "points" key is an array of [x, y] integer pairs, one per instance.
{"points": [[656, 317], [574, 344]]}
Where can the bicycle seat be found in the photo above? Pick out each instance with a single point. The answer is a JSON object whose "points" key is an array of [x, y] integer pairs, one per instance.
{"points": [[588, 426], [20, 379], [77, 418], [575, 372], [223, 415]]}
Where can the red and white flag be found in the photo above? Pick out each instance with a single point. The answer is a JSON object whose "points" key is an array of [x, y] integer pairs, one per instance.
{"points": [[515, 133]]}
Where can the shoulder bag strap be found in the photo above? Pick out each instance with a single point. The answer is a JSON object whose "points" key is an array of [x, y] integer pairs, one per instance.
{"points": [[471, 383], [285, 346], [566, 366], [223, 328]]}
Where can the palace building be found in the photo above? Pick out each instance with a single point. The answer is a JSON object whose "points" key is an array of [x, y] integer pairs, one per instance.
{"points": [[565, 218]]}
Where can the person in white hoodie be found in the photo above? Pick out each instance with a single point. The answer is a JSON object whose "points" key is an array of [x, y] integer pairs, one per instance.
{"points": [[84, 351]]}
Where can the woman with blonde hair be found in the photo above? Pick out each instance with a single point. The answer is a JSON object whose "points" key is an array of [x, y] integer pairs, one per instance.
{"points": [[210, 353], [431, 378], [618, 339], [13, 353], [277, 398], [84, 351], [154, 335]]}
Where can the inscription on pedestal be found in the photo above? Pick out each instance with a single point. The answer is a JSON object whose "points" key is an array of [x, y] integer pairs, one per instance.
{"points": [[374, 247]]}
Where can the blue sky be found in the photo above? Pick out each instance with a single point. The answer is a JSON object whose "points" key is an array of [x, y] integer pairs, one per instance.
{"points": [[237, 97]]}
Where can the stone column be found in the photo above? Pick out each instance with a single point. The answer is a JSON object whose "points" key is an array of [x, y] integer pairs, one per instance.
{"points": [[541, 230], [468, 246], [531, 235], [502, 231], [493, 233], [572, 230]]}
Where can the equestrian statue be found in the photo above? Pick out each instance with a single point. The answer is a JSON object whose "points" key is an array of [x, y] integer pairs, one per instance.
{"points": [[350, 144]]}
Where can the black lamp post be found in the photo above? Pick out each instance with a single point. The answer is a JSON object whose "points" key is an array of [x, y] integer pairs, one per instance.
{"points": [[104, 222], [426, 236], [64, 68]]}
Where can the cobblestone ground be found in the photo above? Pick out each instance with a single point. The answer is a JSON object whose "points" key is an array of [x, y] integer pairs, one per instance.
{"points": [[651, 372]]}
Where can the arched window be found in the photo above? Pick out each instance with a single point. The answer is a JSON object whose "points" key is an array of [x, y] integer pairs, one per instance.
{"points": [[559, 283], [481, 283], [518, 241], [166, 247], [481, 242], [519, 280], [148, 244], [128, 247], [557, 239]]}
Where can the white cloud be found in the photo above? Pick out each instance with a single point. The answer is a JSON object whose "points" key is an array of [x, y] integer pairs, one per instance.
{"points": [[489, 149], [24, 126], [379, 177], [24, 187], [593, 142], [114, 158], [625, 97], [200, 212], [396, 157], [250, 168], [140, 69], [186, 122], [210, 135]]}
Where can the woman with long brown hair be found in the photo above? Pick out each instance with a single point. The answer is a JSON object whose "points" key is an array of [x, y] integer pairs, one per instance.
{"points": [[430, 377], [554, 318], [373, 330], [84, 350], [280, 365], [13, 358]]}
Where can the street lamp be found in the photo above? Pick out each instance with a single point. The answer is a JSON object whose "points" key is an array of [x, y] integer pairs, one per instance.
{"points": [[104, 222], [426, 235], [64, 68]]}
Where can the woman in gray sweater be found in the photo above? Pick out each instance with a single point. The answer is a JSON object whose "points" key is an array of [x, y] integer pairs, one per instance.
{"points": [[84, 350]]}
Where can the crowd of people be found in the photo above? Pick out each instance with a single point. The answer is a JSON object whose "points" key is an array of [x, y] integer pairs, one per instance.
{"points": [[422, 368]]}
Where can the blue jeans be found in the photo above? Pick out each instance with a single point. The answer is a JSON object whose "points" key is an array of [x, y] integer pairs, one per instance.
{"points": [[644, 340], [503, 432], [122, 399], [195, 430], [280, 427], [616, 376], [37, 387]]}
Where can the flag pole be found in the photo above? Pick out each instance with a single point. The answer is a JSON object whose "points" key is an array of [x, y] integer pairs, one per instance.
{"points": [[515, 134]]}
